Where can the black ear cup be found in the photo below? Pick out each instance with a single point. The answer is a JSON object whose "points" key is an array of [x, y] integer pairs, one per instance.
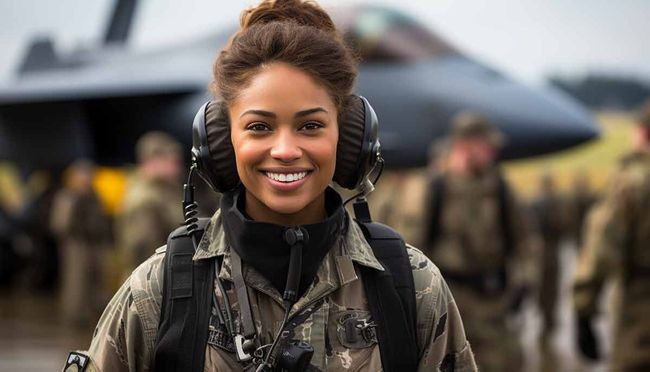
{"points": [[356, 154], [212, 148], [358, 146]]}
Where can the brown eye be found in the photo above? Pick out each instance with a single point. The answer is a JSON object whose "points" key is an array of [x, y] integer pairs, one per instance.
{"points": [[311, 126], [258, 127]]}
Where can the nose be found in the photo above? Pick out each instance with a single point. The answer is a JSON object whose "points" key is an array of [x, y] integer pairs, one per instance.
{"points": [[286, 147]]}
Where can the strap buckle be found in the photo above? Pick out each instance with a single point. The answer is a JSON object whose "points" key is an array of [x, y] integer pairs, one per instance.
{"points": [[243, 348]]}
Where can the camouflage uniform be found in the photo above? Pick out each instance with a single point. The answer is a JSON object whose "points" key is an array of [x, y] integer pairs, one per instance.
{"points": [[152, 204], [551, 217], [83, 230], [477, 234], [581, 200], [616, 246], [126, 334], [151, 210], [470, 251]]}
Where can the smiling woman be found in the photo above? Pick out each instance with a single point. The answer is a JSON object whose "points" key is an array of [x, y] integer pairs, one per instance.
{"points": [[298, 284]]}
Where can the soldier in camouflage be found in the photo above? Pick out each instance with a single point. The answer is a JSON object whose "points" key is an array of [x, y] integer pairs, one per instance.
{"points": [[582, 198], [476, 234], [151, 206], [616, 248], [551, 219], [83, 230]]}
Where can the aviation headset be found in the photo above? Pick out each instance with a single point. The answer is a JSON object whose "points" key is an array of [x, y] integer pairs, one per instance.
{"points": [[358, 149]]}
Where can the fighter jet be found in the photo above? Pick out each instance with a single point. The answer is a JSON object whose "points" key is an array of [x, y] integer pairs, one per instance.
{"points": [[96, 103]]}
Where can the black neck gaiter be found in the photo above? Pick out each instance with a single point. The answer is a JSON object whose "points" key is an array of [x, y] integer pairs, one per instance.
{"points": [[262, 245]]}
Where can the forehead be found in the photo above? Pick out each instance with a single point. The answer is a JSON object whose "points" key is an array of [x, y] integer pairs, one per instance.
{"points": [[281, 87]]}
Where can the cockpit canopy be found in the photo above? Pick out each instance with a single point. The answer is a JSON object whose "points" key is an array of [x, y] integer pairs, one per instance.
{"points": [[382, 35]]}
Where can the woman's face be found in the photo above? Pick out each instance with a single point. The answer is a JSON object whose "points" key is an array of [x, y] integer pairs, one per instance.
{"points": [[284, 132]]}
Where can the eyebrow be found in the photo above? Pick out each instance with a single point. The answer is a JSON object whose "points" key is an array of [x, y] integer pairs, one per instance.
{"points": [[310, 111], [298, 114], [267, 114]]}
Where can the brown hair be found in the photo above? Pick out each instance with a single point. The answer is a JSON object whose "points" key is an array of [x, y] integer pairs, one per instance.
{"points": [[296, 32]]}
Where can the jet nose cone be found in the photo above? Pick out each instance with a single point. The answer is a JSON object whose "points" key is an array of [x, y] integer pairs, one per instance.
{"points": [[416, 103], [534, 121]]}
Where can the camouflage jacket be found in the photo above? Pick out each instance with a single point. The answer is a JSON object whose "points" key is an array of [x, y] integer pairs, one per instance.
{"points": [[616, 245], [617, 236], [125, 337], [470, 239], [150, 210], [617, 233]]}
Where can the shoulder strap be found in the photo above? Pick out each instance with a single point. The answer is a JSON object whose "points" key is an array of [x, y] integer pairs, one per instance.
{"points": [[184, 312], [391, 296], [435, 208]]}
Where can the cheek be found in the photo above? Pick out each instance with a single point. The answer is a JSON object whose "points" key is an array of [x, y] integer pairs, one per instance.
{"points": [[326, 152], [247, 154]]}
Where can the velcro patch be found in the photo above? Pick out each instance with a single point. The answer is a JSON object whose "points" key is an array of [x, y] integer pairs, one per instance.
{"points": [[76, 362]]}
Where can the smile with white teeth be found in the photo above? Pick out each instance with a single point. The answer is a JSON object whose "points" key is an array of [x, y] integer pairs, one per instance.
{"points": [[286, 177]]}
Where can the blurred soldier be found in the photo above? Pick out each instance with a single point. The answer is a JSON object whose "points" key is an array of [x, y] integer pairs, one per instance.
{"points": [[476, 235], [582, 199], [617, 243], [10, 203], [399, 198], [8, 256], [550, 215], [152, 204], [34, 220], [83, 231]]}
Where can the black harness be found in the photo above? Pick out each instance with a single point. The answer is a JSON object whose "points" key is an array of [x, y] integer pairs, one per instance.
{"points": [[188, 287]]}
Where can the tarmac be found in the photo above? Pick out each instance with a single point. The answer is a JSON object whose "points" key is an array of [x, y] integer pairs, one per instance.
{"points": [[31, 336]]}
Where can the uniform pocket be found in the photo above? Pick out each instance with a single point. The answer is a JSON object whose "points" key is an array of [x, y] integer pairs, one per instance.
{"points": [[352, 340]]}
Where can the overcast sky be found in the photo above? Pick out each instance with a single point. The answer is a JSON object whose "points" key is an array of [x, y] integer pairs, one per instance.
{"points": [[527, 39]]}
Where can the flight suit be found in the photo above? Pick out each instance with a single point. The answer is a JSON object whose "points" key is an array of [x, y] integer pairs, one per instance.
{"points": [[151, 209], [126, 334], [485, 278], [617, 247]]}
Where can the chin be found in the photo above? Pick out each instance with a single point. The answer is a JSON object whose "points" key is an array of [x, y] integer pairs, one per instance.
{"points": [[287, 205]]}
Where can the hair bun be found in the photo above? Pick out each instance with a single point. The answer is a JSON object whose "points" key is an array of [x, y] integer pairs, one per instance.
{"points": [[303, 12]]}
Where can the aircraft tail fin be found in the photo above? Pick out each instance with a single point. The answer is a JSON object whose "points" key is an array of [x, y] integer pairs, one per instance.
{"points": [[121, 21], [40, 56]]}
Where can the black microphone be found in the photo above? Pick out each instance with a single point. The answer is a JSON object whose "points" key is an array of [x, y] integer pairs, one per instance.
{"points": [[296, 237]]}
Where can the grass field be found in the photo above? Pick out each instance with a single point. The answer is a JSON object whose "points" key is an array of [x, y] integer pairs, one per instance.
{"points": [[596, 158]]}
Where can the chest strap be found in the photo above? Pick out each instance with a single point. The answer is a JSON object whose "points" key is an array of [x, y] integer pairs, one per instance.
{"points": [[245, 340]]}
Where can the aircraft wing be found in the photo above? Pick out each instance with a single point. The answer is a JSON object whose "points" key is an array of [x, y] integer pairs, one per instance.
{"points": [[109, 75]]}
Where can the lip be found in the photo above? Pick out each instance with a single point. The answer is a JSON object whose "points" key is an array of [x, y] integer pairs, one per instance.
{"points": [[285, 170], [286, 186]]}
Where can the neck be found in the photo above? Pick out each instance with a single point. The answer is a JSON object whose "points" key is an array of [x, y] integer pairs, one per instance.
{"points": [[263, 245], [313, 212]]}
